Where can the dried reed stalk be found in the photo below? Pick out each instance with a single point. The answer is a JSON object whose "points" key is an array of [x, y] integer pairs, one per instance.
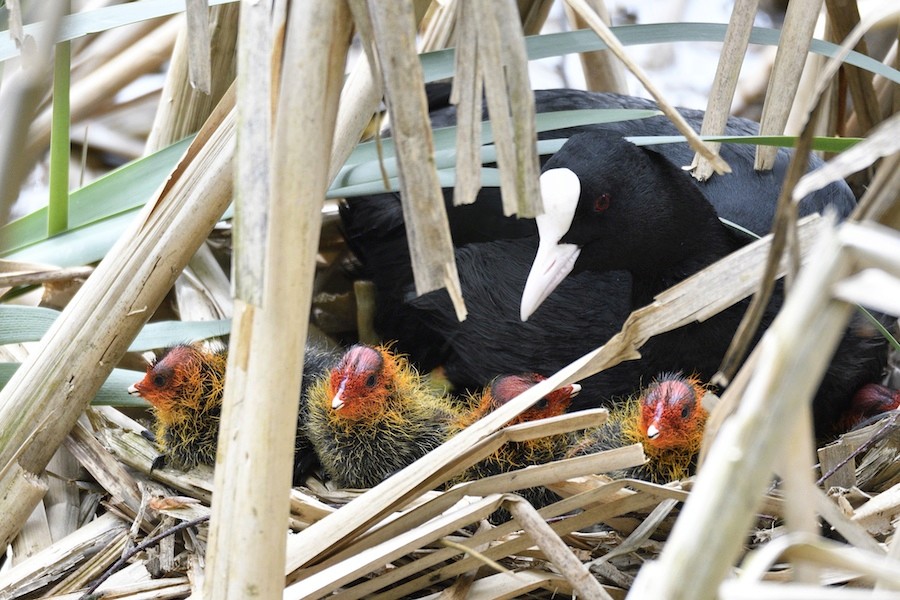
{"points": [[602, 72], [53, 562], [34, 537], [256, 439], [50, 390], [555, 549], [593, 21], [718, 109], [467, 94], [183, 108], [197, 16], [842, 18], [799, 485], [62, 501], [107, 471], [796, 36], [365, 561], [203, 291], [431, 248], [504, 543], [502, 63], [506, 586], [534, 14], [90, 51], [143, 57]]}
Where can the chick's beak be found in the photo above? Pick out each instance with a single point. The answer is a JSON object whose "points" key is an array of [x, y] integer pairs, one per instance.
{"points": [[653, 431], [337, 402], [133, 390], [560, 189]]}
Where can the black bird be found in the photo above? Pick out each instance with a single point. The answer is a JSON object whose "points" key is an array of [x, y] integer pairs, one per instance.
{"points": [[656, 236], [646, 220], [745, 196], [635, 225], [375, 229]]}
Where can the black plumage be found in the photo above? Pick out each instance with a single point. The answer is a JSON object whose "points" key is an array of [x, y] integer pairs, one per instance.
{"points": [[375, 227], [642, 226]]}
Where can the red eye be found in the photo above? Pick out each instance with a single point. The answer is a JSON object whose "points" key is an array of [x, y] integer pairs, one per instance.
{"points": [[601, 202]]}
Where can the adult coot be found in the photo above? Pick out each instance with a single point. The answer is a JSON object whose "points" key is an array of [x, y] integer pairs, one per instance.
{"points": [[642, 224]]}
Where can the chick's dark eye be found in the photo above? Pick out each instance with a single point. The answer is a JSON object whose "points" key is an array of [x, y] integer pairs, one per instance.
{"points": [[542, 404], [601, 202], [370, 381], [685, 411], [159, 380]]}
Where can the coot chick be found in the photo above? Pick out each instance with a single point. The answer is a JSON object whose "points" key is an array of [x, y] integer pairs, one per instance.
{"points": [[869, 402], [372, 415], [667, 418], [184, 387], [517, 455]]}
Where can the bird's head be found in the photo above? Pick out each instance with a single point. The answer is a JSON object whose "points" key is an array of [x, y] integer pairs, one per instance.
{"points": [[672, 413], [362, 382], [173, 379], [870, 401], [506, 387], [609, 205]]}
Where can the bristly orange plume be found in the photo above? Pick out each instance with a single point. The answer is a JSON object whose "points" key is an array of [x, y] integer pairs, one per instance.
{"points": [[669, 424], [667, 419], [516, 455], [373, 415], [363, 381], [184, 385], [672, 412]]}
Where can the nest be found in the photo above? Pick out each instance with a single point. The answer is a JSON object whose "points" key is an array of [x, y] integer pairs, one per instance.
{"points": [[437, 541]]}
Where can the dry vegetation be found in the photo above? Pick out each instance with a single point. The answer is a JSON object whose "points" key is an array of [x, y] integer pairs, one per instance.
{"points": [[80, 500]]}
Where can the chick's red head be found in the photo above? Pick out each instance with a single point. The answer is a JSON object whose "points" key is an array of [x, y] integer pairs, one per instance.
{"points": [[505, 388], [869, 401], [672, 413], [361, 383], [173, 378]]}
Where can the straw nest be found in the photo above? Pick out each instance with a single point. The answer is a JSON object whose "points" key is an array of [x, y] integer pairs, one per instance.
{"points": [[141, 531]]}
